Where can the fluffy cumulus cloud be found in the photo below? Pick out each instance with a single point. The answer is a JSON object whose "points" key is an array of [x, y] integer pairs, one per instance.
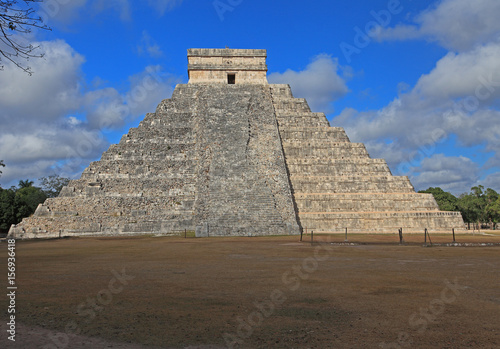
{"points": [[322, 82], [107, 108], [457, 100], [51, 92], [457, 96], [451, 173], [52, 124], [457, 25], [491, 181]]}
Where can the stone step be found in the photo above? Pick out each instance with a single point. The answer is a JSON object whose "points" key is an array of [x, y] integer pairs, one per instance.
{"points": [[175, 105], [165, 131], [139, 167], [166, 135], [45, 227], [309, 161], [336, 134], [383, 222], [320, 143], [286, 120], [340, 170], [364, 202], [185, 176], [351, 184], [152, 149], [281, 91], [153, 186], [163, 156], [325, 150], [123, 206], [298, 105]]}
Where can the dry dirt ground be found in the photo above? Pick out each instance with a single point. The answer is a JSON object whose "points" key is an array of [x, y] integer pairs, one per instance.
{"points": [[273, 292]]}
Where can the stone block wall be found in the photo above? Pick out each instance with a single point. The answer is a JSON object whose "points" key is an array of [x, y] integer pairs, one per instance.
{"points": [[212, 66], [241, 159], [208, 160], [336, 185], [243, 186]]}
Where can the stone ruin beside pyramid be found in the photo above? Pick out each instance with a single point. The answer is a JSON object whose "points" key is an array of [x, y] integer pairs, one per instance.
{"points": [[231, 155]]}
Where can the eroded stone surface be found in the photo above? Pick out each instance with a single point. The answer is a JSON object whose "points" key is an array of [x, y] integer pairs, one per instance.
{"points": [[235, 159]]}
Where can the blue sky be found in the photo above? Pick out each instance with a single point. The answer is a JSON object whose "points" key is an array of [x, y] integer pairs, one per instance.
{"points": [[417, 81]]}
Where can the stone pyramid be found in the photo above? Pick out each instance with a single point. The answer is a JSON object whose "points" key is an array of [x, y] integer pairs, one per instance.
{"points": [[231, 155]]}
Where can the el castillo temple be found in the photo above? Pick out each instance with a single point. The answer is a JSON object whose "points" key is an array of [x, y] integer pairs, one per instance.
{"points": [[232, 155]]}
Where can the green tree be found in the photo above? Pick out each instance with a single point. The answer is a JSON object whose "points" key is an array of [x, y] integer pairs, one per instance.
{"points": [[446, 201], [492, 207], [26, 200], [18, 203], [25, 184], [7, 210], [494, 212], [480, 202], [17, 19], [52, 185], [479, 206], [468, 206]]}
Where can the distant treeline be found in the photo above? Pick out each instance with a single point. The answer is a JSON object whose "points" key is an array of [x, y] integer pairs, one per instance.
{"points": [[22, 201], [479, 206]]}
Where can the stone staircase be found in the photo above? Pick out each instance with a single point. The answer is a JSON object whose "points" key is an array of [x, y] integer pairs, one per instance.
{"points": [[336, 185], [242, 186], [144, 184], [235, 160]]}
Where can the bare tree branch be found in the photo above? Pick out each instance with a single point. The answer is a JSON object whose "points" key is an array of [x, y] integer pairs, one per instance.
{"points": [[18, 18]]}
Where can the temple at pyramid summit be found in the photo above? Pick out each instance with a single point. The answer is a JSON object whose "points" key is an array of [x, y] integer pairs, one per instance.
{"points": [[231, 155]]}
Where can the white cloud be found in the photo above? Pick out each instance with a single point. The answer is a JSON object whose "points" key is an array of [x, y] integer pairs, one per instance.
{"points": [[37, 130], [50, 123], [109, 109], [148, 88], [492, 181], [458, 97], [320, 83], [456, 174], [51, 90], [457, 25], [148, 46], [473, 73]]}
